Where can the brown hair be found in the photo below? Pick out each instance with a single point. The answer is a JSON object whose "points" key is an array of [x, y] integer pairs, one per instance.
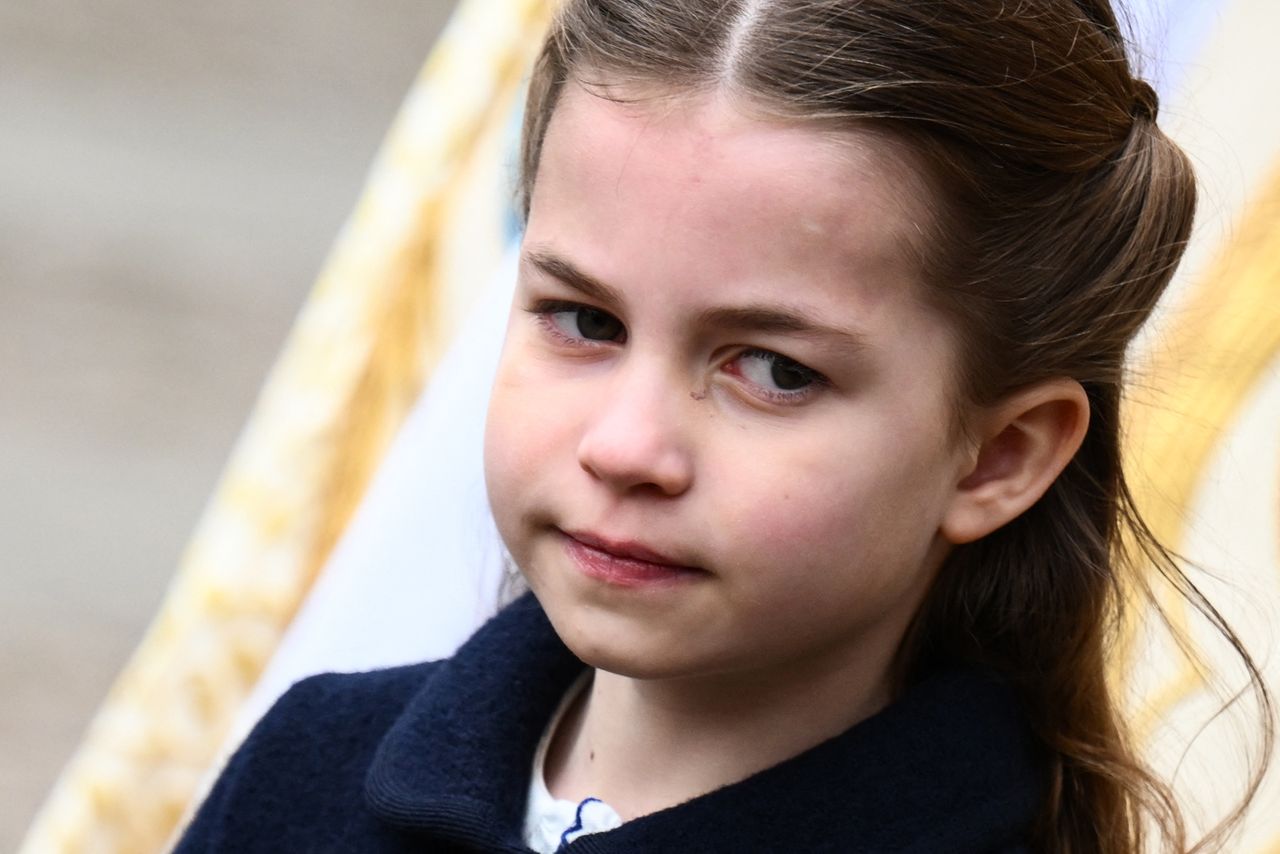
{"points": [[1065, 212]]}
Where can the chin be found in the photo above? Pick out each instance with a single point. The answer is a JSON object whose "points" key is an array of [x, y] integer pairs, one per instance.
{"points": [[624, 664], [616, 651]]}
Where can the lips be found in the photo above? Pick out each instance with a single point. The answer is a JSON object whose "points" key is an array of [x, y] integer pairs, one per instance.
{"points": [[625, 562]]}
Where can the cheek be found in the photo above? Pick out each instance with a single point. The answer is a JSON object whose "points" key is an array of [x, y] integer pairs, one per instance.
{"points": [[796, 521], [507, 448], [825, 501], [528, 433]]}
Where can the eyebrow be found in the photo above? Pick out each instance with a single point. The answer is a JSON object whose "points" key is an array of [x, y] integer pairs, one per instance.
{"points": [[784, 319], [564, 272], [754, 317]]}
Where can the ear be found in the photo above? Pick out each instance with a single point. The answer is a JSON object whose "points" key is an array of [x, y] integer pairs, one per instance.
{"points": [[1024, 444]]}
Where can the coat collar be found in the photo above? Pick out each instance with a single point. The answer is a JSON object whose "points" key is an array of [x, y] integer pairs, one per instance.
{"points": [[950, 766]]}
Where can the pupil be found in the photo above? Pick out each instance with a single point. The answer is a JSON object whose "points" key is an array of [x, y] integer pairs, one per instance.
{"points": [[788, 377], [597, 326]]}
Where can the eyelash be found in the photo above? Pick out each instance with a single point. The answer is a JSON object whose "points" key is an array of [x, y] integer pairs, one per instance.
{"points": [[544, 310], [816, 380]]}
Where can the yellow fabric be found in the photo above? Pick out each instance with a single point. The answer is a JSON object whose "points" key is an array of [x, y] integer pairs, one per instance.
{"points": [[1213, 354], [372, 328]]}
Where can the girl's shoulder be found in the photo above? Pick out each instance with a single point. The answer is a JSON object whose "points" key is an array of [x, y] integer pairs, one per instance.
{"points": [[337, 696], [358, 706], [306, 759]]}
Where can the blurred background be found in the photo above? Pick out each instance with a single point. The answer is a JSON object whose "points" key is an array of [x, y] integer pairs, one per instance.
{"points": [[171, 177]]}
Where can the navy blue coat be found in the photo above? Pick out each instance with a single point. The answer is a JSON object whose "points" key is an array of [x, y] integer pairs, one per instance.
{"points": [[436, 757]]}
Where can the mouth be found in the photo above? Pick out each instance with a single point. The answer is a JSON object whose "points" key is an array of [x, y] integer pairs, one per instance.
{"points": [[625, 563]]}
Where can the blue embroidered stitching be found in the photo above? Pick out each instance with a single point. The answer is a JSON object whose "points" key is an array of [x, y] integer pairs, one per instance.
{"points": [[577, 822]]}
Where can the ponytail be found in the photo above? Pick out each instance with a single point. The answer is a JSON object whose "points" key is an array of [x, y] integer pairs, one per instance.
{"points": [[1064, 211]]}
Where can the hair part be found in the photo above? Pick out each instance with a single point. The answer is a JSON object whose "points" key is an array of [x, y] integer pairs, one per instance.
{"points": [[1064, 212]]}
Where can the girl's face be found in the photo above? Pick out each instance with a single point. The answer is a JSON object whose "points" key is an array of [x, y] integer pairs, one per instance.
{"points": [[719, 437]]}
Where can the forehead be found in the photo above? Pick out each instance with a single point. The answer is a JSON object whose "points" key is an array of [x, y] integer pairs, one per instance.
{"points": [[701, 188]]}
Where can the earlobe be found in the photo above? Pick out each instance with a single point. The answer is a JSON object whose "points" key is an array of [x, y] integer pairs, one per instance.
{"points": [[1026, 442]]}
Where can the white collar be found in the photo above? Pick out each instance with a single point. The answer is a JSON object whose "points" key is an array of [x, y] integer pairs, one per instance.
{"points": [[550, 823]]}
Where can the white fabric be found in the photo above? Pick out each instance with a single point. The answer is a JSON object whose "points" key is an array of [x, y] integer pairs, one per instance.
{"points": [[548, 821], [420, 565]]}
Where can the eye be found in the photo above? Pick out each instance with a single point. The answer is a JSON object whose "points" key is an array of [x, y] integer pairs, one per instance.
{"points": [[775, 376], [576, 322]]}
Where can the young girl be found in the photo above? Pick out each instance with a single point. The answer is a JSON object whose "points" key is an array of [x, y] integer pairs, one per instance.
{"points": [[806, 441]]}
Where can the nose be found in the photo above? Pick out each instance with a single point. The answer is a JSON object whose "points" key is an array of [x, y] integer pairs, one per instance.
{"points": [[634, 439]]}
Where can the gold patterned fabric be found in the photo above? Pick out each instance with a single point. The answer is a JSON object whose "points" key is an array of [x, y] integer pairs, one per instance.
{"points": [[1213, 371], [372, 328]]}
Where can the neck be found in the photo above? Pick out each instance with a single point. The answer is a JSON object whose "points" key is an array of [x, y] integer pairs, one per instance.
{"points": [[642, 745]]}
